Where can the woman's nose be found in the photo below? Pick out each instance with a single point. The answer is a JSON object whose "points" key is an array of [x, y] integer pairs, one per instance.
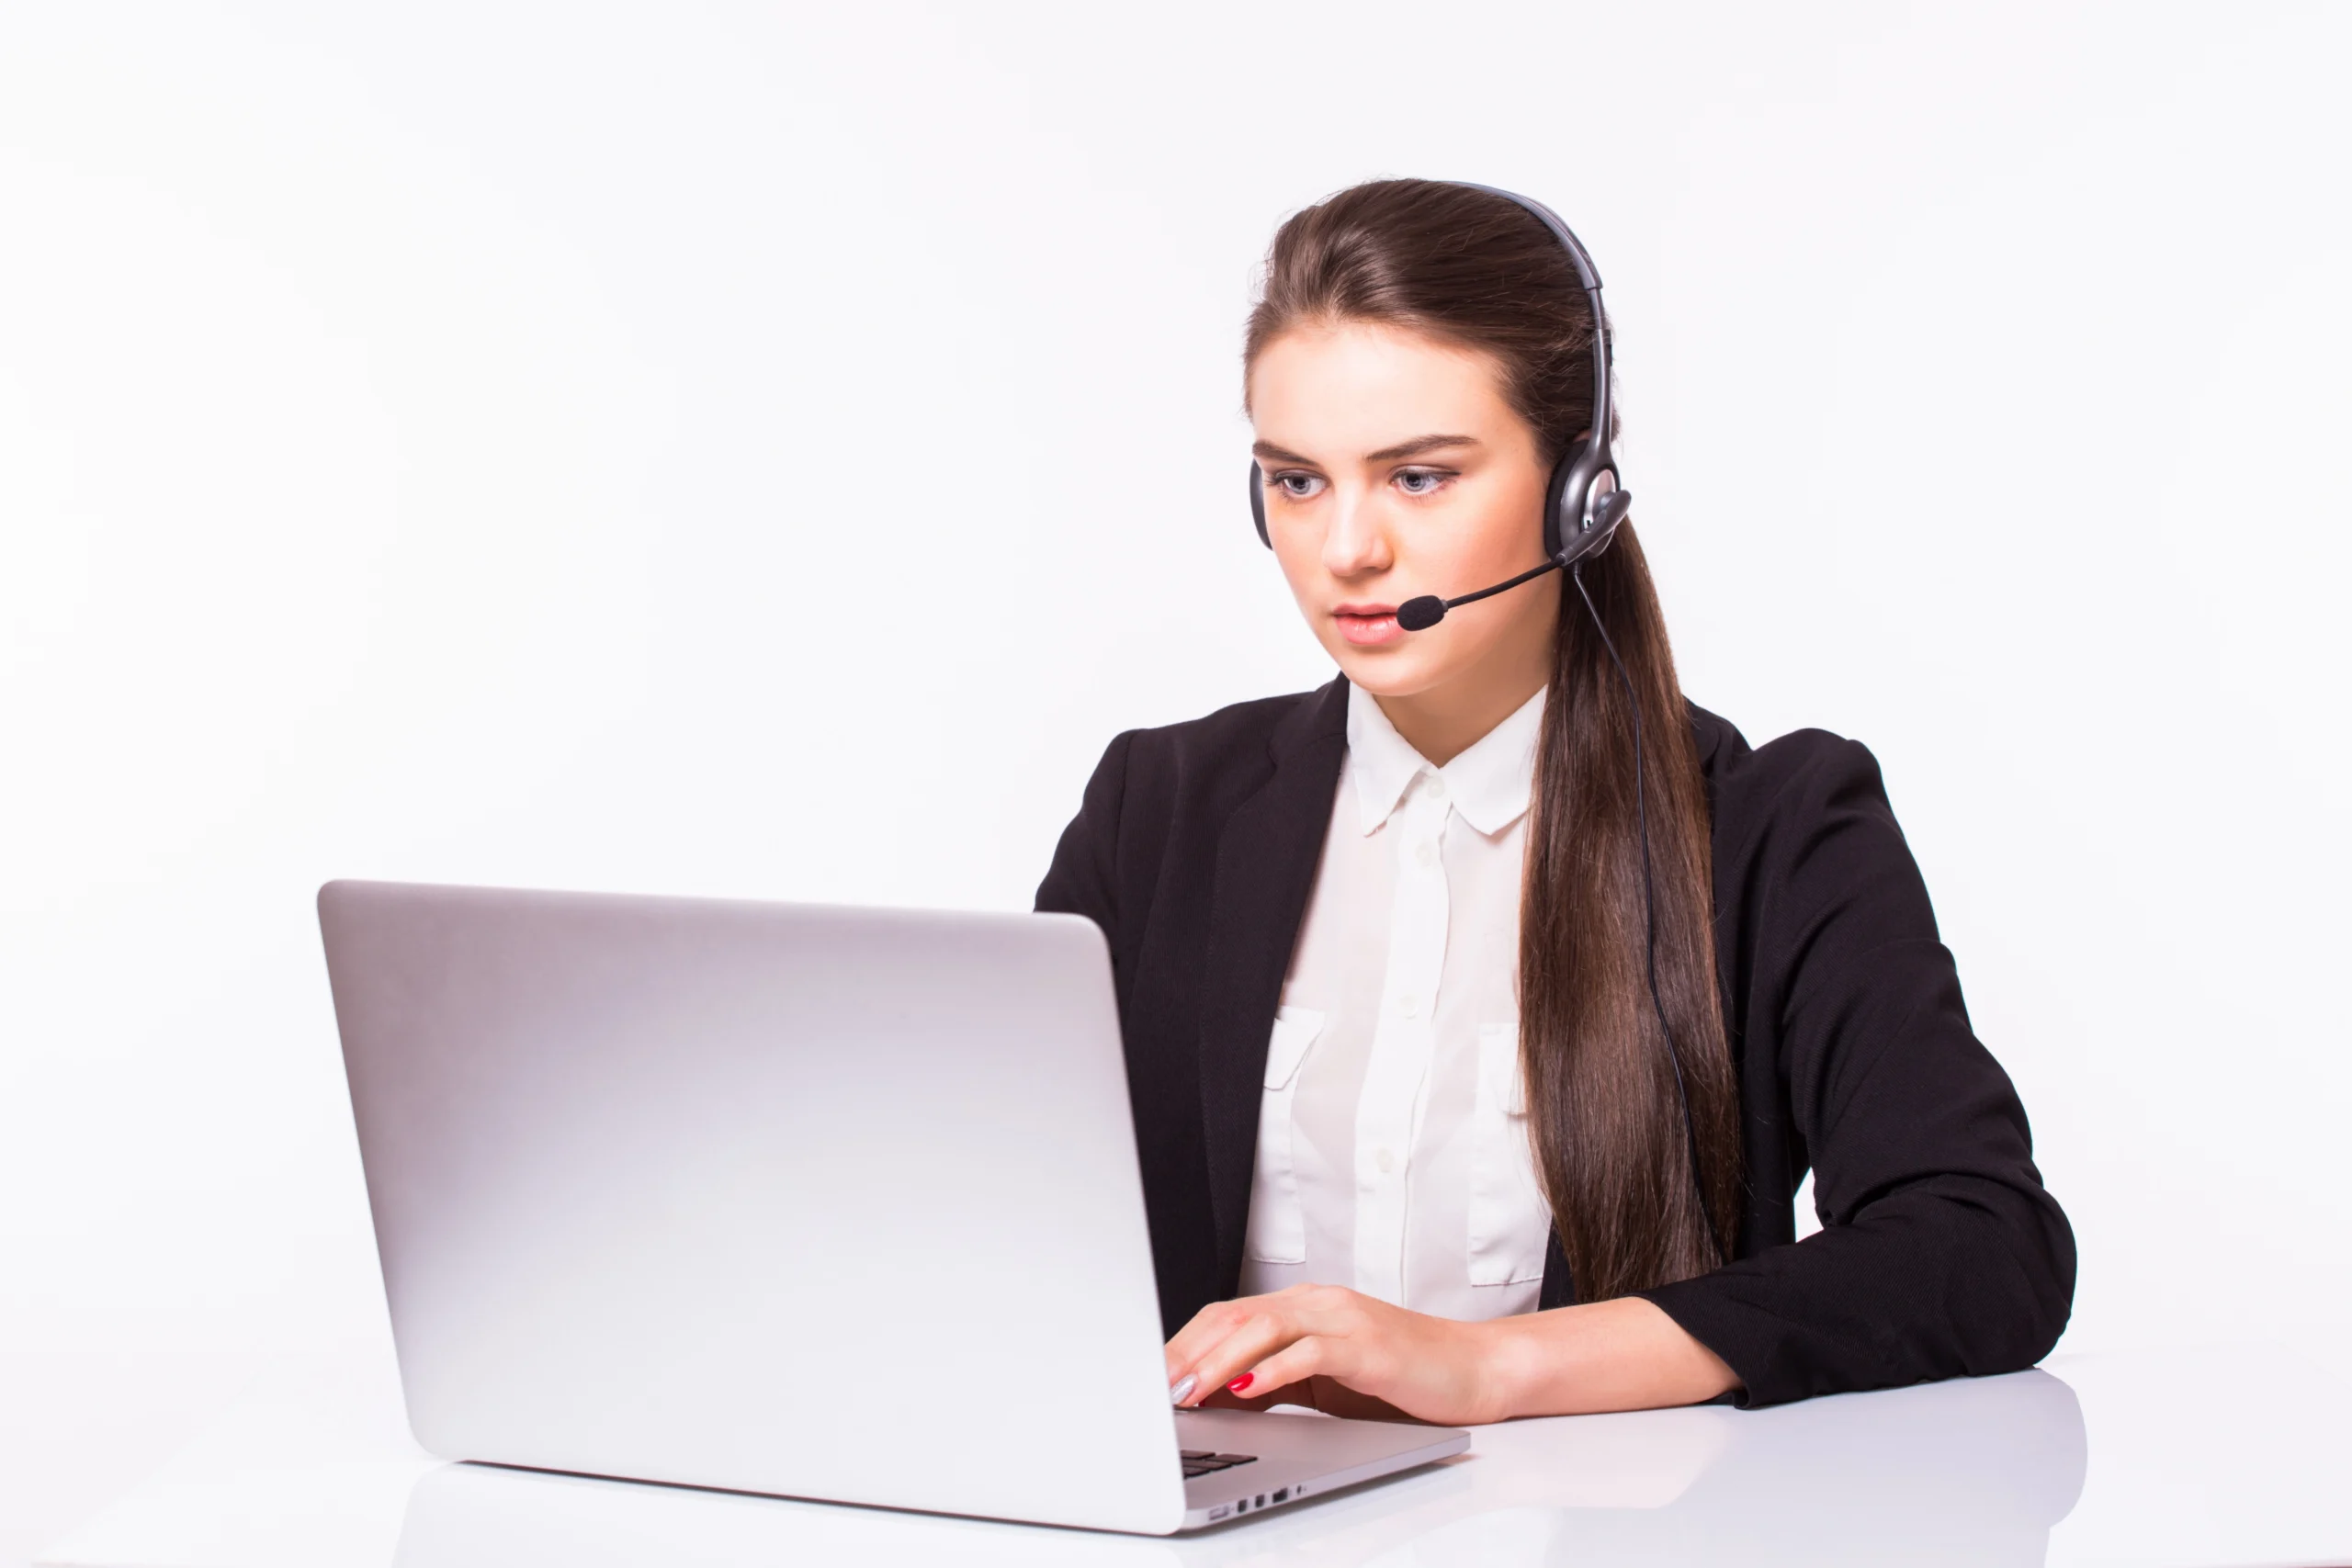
{"points": [[1356, 542]]}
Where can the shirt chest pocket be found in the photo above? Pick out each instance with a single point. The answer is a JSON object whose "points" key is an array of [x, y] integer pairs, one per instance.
{"points": [[1277, 1222], [1510, 1224]]}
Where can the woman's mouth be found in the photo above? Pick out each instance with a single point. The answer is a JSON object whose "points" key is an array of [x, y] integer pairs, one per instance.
{"points": [[1368, 625]]}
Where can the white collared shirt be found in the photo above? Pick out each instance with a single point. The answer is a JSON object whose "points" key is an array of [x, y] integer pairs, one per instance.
{"points": [[1392, 1153]]}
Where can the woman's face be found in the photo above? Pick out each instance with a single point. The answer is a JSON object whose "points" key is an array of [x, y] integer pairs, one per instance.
{"points": [[1394, 467]]}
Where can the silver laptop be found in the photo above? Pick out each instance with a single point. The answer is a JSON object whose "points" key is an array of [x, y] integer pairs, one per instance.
{"points": [[835, 1203]]}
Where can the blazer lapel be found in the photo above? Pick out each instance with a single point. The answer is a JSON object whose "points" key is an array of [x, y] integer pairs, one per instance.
{"points": [[1265, 870]]}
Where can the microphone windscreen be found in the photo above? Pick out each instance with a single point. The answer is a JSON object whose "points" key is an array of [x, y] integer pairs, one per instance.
{"points": [[1419, 614]]}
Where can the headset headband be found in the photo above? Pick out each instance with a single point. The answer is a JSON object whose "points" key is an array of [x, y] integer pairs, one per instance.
{"points": [[1589, 277]]}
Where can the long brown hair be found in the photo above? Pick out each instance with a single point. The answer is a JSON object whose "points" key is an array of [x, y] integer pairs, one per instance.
{"points": [[1477, 269]]}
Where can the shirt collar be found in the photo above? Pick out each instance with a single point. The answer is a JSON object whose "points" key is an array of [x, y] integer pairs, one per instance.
{"points": [[1490, 784]]}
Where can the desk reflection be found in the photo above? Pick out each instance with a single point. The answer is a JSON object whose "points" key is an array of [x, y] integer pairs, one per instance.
{"points": [[1974, 1472]]}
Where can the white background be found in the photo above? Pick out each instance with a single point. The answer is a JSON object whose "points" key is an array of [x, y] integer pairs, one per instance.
{"points": [[769, 450]]}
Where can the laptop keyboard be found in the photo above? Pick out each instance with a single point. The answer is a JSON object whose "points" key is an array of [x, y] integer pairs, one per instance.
{"points": [[1200, 1461]]}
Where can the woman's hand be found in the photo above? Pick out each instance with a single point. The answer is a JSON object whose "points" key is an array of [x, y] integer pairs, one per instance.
{"points": [[1616, 1355], [1433, 1369]]}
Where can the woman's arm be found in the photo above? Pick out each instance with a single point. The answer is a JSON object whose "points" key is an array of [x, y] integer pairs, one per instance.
{"points": [[1614, 1354], [1940, 1254], [1082, 880], [1617, 1355]]}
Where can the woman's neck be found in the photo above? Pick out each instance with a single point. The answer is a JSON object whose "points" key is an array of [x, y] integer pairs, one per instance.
{"points": [[1445, 721]]}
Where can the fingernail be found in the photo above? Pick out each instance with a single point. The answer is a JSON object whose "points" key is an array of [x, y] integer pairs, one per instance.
{"points": [[1176, 1396], [1244, 1380]]}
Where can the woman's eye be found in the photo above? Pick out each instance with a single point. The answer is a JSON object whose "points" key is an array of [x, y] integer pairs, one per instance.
{"points": [[1420, 482], [1299, 487]]}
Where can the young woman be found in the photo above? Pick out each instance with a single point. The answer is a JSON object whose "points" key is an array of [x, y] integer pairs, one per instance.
{"points": [[1468, 1081]]}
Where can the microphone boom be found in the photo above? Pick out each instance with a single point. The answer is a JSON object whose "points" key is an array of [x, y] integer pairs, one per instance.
{"points": [[1419, 614]]}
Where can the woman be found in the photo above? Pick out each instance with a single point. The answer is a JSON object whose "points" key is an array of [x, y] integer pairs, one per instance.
{"points": [[1472, 1077]]}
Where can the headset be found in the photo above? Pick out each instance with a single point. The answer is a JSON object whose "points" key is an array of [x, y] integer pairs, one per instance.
{"points": [[1583, 507]]}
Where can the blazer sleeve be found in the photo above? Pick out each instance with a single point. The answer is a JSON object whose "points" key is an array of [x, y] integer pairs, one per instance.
{"points": [[1940, 1252], [1083, 877]]}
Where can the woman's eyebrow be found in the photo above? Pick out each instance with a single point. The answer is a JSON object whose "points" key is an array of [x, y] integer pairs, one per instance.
{"points": [[1417, 446], [1267, 452]]}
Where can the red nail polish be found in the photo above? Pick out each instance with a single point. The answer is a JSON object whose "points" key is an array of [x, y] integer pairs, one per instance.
{"points": [[1244, 1380]]}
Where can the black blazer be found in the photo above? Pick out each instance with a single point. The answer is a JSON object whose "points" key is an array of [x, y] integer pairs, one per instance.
{"points": [[1940, 1252]]}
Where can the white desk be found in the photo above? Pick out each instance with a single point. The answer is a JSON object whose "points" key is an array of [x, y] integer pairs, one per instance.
{"points": [[2188, 1459]]}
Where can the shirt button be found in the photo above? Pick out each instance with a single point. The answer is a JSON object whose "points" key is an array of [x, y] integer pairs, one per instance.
{"points": [[1385, 1161], [1436, 790], [1426, 855], [1409, 1005]]}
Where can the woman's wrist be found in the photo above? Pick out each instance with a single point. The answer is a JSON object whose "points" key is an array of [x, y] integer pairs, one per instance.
{"points": [[1506, 1357], [1624, 1354]]}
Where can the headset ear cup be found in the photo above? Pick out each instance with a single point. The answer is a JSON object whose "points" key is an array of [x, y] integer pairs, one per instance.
{"points": [[1590, 541], [1258, 503]]}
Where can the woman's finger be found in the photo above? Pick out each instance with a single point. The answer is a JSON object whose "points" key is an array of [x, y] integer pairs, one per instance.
{"points": [[1294, 1363], [1247, 1336], [1208, 1325]]}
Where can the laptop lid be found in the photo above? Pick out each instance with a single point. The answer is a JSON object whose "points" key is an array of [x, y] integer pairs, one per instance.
{"points": [[829, 1203]]}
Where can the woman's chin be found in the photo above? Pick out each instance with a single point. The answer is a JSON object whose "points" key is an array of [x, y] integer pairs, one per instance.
{"points": [[1400, 669]]}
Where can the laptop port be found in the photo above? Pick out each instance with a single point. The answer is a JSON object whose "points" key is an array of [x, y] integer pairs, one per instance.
{"points": [[1262, 1499], [1220, 1511], [1282, 1495]]}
